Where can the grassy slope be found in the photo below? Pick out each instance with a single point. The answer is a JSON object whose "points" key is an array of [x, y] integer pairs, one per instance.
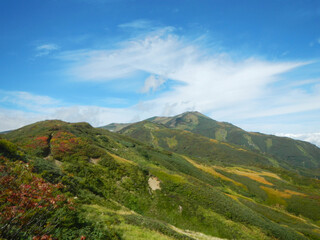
{"points": [[184, 142], [287, 152], [255, 180], [109, 174]]}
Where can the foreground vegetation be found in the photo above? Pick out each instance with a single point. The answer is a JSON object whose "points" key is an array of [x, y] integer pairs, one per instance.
{"points": [[72, 181]]}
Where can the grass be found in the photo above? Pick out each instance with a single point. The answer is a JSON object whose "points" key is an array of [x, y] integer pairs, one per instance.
{"points": [[164, 175], [211, 171], [254, 175], [274, 193], [221, 134], [282, 217], [229, 145], [268, 143], [172, 142], [232, 230], [131, 232], [131, 225], [121, 160]]}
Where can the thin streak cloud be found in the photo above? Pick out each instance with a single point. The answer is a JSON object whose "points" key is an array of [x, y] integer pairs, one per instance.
{"points": [[46, 49]]}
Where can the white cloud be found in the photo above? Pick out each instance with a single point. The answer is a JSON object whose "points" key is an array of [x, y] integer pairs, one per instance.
{"points": [[46, 49], [152, 83], [33, 108], [28, 101], [137, 24], [309, 137], [43, 108], [210, 81], [13, 119], [156, 53], [96, 116]]}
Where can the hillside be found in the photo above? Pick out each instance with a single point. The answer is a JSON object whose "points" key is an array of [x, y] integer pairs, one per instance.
{"points": [[287, 152], [176, 185], [205, 150]]}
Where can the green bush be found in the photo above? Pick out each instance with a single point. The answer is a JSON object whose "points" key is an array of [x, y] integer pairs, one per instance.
{"points": [[48, 170], [8, 149]]}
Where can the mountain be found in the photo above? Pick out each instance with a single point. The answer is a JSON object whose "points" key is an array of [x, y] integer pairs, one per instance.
{"points": [[287, 152], [149, 181], [206, 150]]}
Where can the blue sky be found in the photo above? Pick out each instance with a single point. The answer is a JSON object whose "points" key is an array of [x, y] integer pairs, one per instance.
{"points": [[253, 63]]}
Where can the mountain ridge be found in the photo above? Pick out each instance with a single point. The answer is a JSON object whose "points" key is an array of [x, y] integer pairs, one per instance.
{"points": [[289, 151], [205, 187], [163, 119]]}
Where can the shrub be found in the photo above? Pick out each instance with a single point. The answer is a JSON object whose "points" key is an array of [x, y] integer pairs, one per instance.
{"points": [[27, 202], [8, 149]]}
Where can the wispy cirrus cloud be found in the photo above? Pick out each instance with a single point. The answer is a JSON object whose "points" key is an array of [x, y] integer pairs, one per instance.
{"points": [[210, 81], [148, 53], [45, 49], [27, 101], [137, 24]]}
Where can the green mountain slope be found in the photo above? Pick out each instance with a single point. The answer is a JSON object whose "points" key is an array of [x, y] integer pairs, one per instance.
{"points": [[249, 172], [205, 150], [288, 152], [126, 189]]}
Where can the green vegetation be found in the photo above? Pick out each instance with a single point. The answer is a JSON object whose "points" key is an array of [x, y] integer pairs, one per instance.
{"points": [[99, 184], [288, 152], [204, 149]]}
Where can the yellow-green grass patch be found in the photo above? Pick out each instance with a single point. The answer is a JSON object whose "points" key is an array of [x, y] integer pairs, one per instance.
{"points": [[211, 171], [227, 144], [164, 175], [254, 175], [172, 142], [283, 194], [121, 160], [131, 232]]}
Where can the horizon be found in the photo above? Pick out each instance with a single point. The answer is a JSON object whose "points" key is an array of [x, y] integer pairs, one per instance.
{"points": [[253, 64], [307, 138]]}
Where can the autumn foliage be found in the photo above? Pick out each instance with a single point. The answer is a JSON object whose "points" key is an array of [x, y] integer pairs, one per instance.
{"points": [[64, 142], [38, 142], [27, 202], [38, 145]]}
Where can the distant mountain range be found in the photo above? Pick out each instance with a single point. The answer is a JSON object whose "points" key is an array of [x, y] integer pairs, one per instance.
{"points": [[182, 177]]}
